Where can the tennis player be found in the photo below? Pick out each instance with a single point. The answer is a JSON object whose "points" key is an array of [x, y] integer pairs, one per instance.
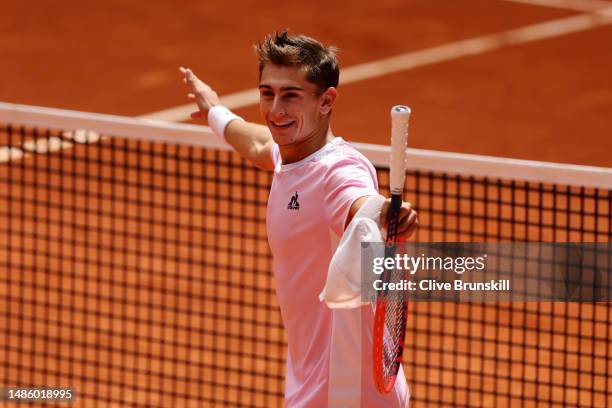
{"points": [[319, 184]]}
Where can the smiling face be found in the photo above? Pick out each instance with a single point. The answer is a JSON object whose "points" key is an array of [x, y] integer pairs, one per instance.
{"points": [[294, 109]]}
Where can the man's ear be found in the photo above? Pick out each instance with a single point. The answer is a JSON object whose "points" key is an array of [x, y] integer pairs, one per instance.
{"points": [[327, 100]]}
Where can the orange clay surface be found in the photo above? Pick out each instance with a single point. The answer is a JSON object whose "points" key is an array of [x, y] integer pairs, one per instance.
{"points": [[70, 317], [547, 100]]}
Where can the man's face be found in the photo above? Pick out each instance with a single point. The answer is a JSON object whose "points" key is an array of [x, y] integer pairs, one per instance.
{"points": [[290, 105]]}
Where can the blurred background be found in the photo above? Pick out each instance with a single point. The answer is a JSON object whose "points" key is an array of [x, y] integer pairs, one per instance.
{"points": [[534, 83]]}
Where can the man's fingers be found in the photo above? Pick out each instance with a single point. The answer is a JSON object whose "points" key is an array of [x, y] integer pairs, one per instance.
{"points": [[412, 229], [405, 213], [409, 219], [408, 224], [186, 71], [189, 76], [199, 92], [405, 209]]}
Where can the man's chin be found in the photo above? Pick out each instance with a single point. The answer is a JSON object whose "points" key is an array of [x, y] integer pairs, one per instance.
{"points": [[283, 139]]}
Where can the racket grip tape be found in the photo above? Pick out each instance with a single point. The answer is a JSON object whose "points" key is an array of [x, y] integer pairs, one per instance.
{"points": [[400, 115]]}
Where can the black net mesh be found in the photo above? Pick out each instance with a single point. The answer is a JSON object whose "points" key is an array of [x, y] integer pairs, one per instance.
{"points": [[139, 274]]}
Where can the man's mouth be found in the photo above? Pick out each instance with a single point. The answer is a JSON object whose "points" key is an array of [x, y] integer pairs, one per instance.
{"points": [[282, 124]]}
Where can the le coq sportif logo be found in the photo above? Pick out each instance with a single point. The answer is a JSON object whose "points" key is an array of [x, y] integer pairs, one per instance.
{"points": [[293, 203]]}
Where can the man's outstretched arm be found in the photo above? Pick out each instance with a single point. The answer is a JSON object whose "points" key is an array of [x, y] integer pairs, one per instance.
{"points": [[252, 141]]}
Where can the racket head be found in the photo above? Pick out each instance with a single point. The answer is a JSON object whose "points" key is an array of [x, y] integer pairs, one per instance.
{"points": [[389, 330]]}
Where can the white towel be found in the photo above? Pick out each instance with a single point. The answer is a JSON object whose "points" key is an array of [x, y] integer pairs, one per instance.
{"points": [[344, 281]]}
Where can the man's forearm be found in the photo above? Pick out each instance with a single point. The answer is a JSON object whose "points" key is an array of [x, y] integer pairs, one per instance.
{"points": [[252, 141]]}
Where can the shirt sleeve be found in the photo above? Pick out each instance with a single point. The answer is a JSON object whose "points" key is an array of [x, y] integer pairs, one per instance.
{"points": [[347, 180]]}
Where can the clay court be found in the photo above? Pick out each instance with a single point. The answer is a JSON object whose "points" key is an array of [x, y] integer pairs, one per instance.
{"points": [[525, 79], [522, 99]]}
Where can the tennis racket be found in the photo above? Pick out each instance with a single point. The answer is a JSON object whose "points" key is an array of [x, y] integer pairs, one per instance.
{"points": [[392, 306]]}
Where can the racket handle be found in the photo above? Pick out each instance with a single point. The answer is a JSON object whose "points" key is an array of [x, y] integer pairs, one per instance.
{"points": [[399, 139]]}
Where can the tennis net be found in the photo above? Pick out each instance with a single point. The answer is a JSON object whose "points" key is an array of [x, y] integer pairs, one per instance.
{"points": [[135, 270]]}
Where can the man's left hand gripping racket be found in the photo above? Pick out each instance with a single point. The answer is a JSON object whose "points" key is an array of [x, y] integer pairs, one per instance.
{"points": [[392, 306]]}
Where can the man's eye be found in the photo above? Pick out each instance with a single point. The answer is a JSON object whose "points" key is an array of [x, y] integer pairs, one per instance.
{"points": [[290, 95], [267, 94]]}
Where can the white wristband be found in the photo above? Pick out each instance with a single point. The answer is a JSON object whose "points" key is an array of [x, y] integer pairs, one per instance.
{"points": [[218, 119]]}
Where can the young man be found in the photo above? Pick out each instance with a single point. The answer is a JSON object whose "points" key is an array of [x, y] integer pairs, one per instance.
{"points": [[319, 184]]}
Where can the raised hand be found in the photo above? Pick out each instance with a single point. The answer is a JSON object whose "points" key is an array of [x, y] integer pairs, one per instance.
{"points": [[199, 92]]}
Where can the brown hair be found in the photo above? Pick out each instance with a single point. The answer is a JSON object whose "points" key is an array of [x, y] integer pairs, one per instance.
{"points": [[318, 61]]}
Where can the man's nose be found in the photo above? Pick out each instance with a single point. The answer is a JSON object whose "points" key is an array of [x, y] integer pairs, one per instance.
{"points": [[278, 107]]}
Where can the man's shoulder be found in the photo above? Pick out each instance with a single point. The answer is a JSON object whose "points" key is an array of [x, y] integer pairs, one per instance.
{"points": [[343, 153], [345, 163]]}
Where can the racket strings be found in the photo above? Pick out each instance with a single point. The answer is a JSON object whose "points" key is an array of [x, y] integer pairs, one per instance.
{"points": [[393, 341]]}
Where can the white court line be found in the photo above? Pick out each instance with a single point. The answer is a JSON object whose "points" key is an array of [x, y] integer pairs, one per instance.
{"points": [[429, 56], [588, 6]]}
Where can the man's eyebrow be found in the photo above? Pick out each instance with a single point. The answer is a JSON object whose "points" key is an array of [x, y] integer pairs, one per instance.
{"points": [[284, 88]]}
